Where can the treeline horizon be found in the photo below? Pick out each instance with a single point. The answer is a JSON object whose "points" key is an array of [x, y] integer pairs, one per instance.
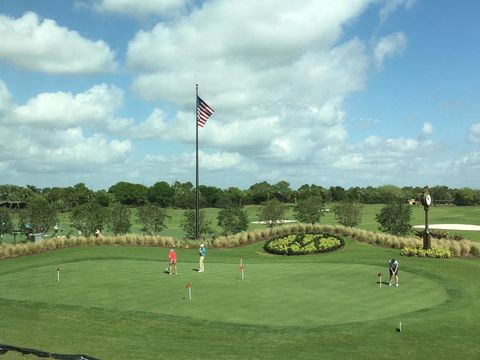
{"points": [[182, 195]]}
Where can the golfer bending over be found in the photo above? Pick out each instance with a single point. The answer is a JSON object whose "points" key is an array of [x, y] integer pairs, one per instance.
{"points": [[393, 268], [202, 252]]}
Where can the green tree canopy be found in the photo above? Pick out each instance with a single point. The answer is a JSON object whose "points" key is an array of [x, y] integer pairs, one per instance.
{"points": [[88, 217], [39, 214], [129, 194], [309, 210], [233, 220], [395, 218], [119, 219], [153, 218], [348, 213], [272, 212], [189, 227], [161, 194]]}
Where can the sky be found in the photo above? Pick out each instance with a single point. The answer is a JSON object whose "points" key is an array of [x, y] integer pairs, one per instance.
{"points": [[333, 92]]}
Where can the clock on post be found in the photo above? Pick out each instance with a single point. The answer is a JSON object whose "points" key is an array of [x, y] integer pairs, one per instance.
{"points": [[426, 200]]}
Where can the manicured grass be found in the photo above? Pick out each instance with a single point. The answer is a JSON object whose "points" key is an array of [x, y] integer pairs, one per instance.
{"points": [[437, 215], [116, 303]]}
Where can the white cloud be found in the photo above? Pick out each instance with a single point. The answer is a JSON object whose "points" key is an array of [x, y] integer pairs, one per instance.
{"points": [[389, 46], [185, 162], [97, 105], [44, 151], [43, 45], [474, 134], [142, 8], [427, 128], [392, 5], [5, 98]]}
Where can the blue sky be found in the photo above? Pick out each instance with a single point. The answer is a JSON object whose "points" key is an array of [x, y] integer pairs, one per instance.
{"points": [[349, 93]]}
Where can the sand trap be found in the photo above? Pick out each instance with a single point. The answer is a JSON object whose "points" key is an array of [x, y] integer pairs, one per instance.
{"points": [[450, 227], [280, 221]]}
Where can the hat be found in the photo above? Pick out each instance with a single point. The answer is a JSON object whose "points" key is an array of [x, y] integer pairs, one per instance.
{"points": [[202, 245]]}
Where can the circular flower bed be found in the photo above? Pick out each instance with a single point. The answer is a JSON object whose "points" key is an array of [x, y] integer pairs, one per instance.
{"points": [[302, 244]]}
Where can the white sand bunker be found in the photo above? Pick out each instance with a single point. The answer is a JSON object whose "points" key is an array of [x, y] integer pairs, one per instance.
{"points": [[280, 221], [450, 227]]}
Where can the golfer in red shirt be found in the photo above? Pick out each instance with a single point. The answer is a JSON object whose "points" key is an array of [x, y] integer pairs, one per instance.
{"points": [[173, 261]]}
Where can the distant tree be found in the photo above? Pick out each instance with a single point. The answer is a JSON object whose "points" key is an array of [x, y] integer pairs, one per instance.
{"points": [[440, 193], [189, 227], [129, 194], [348, 213], [153, 218], [119, 219], [6, 225], [184, 197], [210, 195], [337, 193], [309, 210], [282, 191], [233, 220], [391, 193], [104, 198], [16, 193], [395, 218], [88, 217], [77, 195], [465, 197], [372, 195], [233, 196], [306, 191], [161, 194], [271, 212], [56, 197], [39, 215], [260, 192]]}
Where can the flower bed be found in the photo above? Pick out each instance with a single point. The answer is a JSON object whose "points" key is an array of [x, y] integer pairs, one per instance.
{"points": [[302, 244]]}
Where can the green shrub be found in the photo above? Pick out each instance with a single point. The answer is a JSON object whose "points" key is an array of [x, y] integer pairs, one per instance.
{"points": [[438, 253]]}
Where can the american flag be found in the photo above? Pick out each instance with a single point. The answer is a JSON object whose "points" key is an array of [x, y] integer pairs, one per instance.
{"points": [[204, 111]]}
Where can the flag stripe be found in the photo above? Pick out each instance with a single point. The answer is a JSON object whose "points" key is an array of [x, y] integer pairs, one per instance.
{"points": [[204, 111]]}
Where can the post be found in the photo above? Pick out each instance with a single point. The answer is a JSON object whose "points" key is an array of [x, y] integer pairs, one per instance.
{"points": [[426, 233], [426, 201], [197, 196]]}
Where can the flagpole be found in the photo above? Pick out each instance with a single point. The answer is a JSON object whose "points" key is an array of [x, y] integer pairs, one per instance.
{"points": [[197, 210]]}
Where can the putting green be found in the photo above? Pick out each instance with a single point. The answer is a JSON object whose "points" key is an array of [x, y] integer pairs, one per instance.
{"points": [[303, 294]]}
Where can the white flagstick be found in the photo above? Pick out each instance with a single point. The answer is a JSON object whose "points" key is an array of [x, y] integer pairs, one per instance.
{"points": [[380, 279], [58, 275], [400, 327], [189, 291], [241, 267]]}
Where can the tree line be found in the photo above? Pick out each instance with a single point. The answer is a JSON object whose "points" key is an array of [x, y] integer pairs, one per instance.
{"points": [[182, 195]]}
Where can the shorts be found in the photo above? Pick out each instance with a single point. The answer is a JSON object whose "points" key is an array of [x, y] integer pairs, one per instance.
{"points": [[391, 271], [173, 262]]}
